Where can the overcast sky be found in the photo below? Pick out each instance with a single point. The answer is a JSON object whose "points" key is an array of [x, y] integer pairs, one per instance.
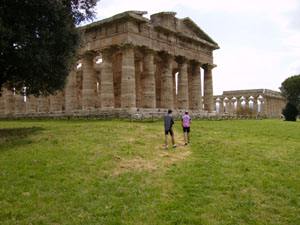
{"points": [[259, 39]]}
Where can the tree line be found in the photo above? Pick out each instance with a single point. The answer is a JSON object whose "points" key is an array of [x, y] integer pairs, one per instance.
{"points": [[290, 90]]}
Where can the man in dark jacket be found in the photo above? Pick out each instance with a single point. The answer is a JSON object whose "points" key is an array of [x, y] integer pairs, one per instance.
{"points": [[169, 121]]}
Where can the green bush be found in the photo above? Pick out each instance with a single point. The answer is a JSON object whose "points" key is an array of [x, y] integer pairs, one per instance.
{"points": [[245, 111], [290, 112]]}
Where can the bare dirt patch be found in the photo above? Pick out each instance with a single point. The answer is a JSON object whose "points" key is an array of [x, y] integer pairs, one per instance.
{"points": [[159, 160]]}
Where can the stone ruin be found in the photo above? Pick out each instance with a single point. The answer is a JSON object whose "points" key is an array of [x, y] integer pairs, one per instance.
{"points": [[131, 65], [264, 102]]}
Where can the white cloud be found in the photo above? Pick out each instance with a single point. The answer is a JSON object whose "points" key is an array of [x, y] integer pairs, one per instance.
{"points": [[294, 68], [272, 8], [247, 68], [293, 39]]}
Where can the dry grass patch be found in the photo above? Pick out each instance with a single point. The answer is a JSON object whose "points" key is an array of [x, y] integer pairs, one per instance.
{"points": [[159, 160]]}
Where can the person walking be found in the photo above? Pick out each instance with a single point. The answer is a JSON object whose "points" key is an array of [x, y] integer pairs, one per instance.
{"points": [[186, 124], [169, 121]]}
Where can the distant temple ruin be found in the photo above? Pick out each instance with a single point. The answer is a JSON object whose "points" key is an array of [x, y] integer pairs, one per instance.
{"points": [[130, 63], [262, 102]]}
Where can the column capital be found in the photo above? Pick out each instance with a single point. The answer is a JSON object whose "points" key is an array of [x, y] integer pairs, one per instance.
{"points": [[89, 55], [165, 56], [195, 63], [181, 59], [208, 66], [126, 46], [232, 100], [108, 52], [146, 51]]}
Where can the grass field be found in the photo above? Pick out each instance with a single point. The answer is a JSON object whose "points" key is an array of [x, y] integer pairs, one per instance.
{"points": [[118, 172]]}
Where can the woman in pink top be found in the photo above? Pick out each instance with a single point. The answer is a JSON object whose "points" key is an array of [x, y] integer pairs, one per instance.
{"points": [[186, 123]]}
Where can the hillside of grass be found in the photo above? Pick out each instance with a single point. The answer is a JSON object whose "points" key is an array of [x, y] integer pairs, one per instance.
{"points": [[118, 172]]}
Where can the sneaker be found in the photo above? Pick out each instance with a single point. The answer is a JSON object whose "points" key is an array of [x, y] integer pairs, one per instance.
{"points": [[185, 144], [174, 146], [167, 147], [188, 142]]}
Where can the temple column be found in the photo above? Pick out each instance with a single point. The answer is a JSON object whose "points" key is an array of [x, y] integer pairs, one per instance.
{"points": [[19, 102], [270, 113], [272, 106], [138, 82], [255, 106], [230, 108], [79, 78], [183, 94], [2, 102], [56, 102], [247, 102], [166, 83], [208, 88], [148, 83], [174, 89], [88, 82], [195, 97], [117, 78], [234, 110], [107, 80], [128, 97], [238, 105], [98, 88], [97, 69], [221, 106], [30, 104], [42, 104], [158, 82], [264, 106], [277, 107], [215, 104], [226, 105], [10, 102], [71, 92]]}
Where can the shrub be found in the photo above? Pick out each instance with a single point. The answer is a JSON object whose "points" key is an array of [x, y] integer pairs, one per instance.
{"points": [[290, 112], [245, 111]]}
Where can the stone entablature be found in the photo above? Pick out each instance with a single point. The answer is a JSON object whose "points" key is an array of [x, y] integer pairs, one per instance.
{"points": [[271, 102], [130, 62], [163, 32]]}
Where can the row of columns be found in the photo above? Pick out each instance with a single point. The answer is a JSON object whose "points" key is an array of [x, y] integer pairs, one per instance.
{"points": [[268, 106], [128, 78], [13, 103], [273, 106], [157, 85]]}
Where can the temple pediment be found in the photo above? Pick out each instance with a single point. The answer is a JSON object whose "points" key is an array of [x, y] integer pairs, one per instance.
{"points": [[197, 31], [185, 28]]}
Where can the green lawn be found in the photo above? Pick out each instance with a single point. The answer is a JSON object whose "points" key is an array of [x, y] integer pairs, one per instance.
{"points": [[118, 172]]}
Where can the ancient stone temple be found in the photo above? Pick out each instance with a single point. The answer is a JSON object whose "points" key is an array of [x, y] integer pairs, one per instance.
{"points": [[262, 102], [131, 63]]}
